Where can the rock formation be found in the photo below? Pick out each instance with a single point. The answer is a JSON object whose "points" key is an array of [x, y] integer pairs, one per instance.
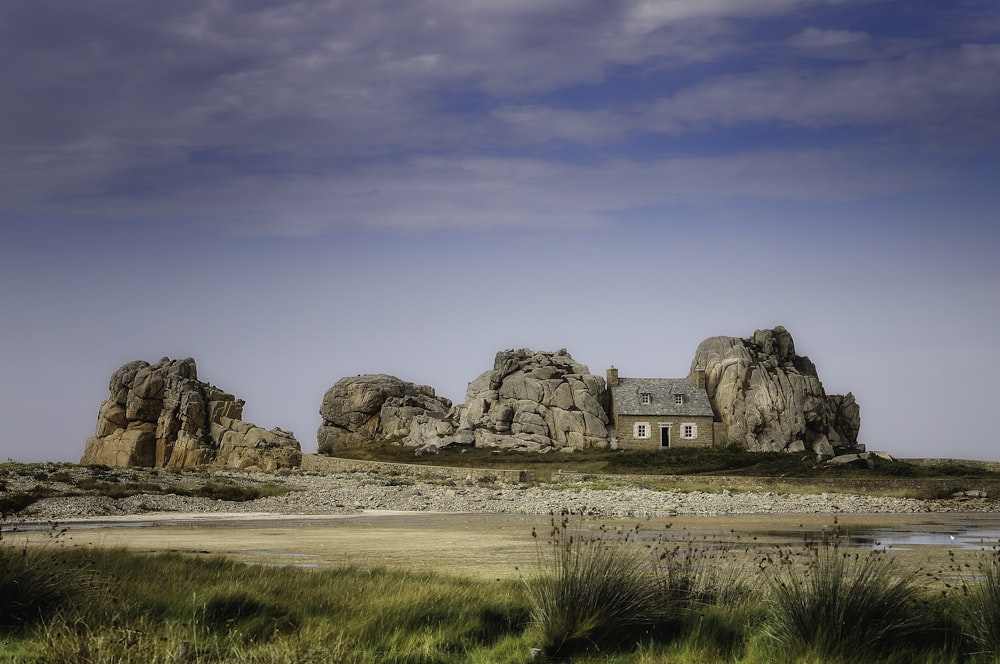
{"points": [[529, 401], [771, 399], [376, 407], [162, 416], [536, 401]]}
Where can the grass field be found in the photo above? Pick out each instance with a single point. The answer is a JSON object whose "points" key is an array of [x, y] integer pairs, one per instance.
{"points": [[680, 461], [711, 469], [593, 594]]}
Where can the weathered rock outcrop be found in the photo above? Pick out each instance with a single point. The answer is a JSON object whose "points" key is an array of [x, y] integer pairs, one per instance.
{"points": [[535, 401], [532, 401], [772, 399], [376, 407], [161, 415]]}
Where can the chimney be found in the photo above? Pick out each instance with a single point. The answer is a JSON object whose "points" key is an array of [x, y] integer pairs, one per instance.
{"points": [[612, 376], [699, 377]]}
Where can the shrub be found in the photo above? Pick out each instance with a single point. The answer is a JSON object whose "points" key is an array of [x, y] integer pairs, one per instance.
{"points": [[688, 573], [842, 605], [979, 605], [15, 501], [591, 591], [33, 581]]}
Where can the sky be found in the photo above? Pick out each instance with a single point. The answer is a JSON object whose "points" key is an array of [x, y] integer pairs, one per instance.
{"points": [[296, 191]]}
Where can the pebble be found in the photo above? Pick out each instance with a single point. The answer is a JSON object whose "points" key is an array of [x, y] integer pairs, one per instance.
{"points": [[350, 493]]}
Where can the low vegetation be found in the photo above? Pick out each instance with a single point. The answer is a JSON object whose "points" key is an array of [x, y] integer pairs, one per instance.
{"points": [[129, 607], [979, 602], [51, 480], [699, 469], [842, 603], [592, 591], [595, 595], [732, 461]]}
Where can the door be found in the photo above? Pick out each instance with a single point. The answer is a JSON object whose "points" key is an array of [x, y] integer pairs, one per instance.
{"points": [[664, 435]]}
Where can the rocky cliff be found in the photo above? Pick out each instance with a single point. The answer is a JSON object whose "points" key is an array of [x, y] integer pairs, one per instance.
{"points": [[161, 415], [771, 399]]}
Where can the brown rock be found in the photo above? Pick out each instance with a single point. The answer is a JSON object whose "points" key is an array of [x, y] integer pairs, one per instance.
{"points": [[162, 415]]}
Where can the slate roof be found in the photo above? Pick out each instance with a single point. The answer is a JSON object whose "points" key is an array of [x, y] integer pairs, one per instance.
{"points": [[628, 401]]}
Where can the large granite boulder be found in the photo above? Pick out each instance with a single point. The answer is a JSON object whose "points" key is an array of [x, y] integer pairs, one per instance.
{"points": [[529, 401], [771, 399], [535, 401], [161, 415], [360, 410]]}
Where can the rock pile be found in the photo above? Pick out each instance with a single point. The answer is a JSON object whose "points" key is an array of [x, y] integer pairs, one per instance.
{"points": [[771, 399], [535, 402], [161, 415], [529, 401]]}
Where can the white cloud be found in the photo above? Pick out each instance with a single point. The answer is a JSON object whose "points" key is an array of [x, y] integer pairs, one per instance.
{"points": [[942, 90], [469, 193], [812, 37], [650, 15], [540, 124], [309, 114]]}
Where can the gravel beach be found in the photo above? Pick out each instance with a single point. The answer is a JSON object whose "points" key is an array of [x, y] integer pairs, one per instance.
{"points": [[352, 493]]}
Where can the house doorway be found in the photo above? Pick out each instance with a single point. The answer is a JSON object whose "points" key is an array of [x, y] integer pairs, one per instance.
{"points": [[664, 435]]}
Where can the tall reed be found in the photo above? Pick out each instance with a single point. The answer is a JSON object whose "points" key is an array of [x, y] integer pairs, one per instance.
{"points": [[33, 581], [591, 590], [842, 606], [979, 605]]}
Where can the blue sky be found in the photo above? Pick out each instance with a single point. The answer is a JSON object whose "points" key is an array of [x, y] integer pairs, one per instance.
{"points": [[292, 192]]}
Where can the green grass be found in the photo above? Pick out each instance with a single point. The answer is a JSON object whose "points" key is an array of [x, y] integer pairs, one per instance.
{"points": [[848, 606], [596, 595], [732, 461], [592, 591], [978, 604], [34, 581], [144, 607]]}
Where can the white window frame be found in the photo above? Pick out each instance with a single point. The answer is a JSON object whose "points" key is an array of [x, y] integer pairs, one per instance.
{"points": [[641, 431], [678, 399], [645, 398], [689, 430]]}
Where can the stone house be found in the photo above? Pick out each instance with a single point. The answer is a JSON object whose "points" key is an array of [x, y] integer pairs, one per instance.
{"points": [[659, 413]]}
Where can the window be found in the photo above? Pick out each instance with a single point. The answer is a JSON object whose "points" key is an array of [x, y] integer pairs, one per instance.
{"points": [[689, 431], [641, 430], [645, 398], [678, 399]]}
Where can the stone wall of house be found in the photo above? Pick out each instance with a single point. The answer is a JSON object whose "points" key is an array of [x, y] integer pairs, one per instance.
{"points": [[625, 427]]}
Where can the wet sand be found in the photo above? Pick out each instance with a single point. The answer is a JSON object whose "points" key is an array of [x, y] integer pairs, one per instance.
{"points": [[496, 545]]}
